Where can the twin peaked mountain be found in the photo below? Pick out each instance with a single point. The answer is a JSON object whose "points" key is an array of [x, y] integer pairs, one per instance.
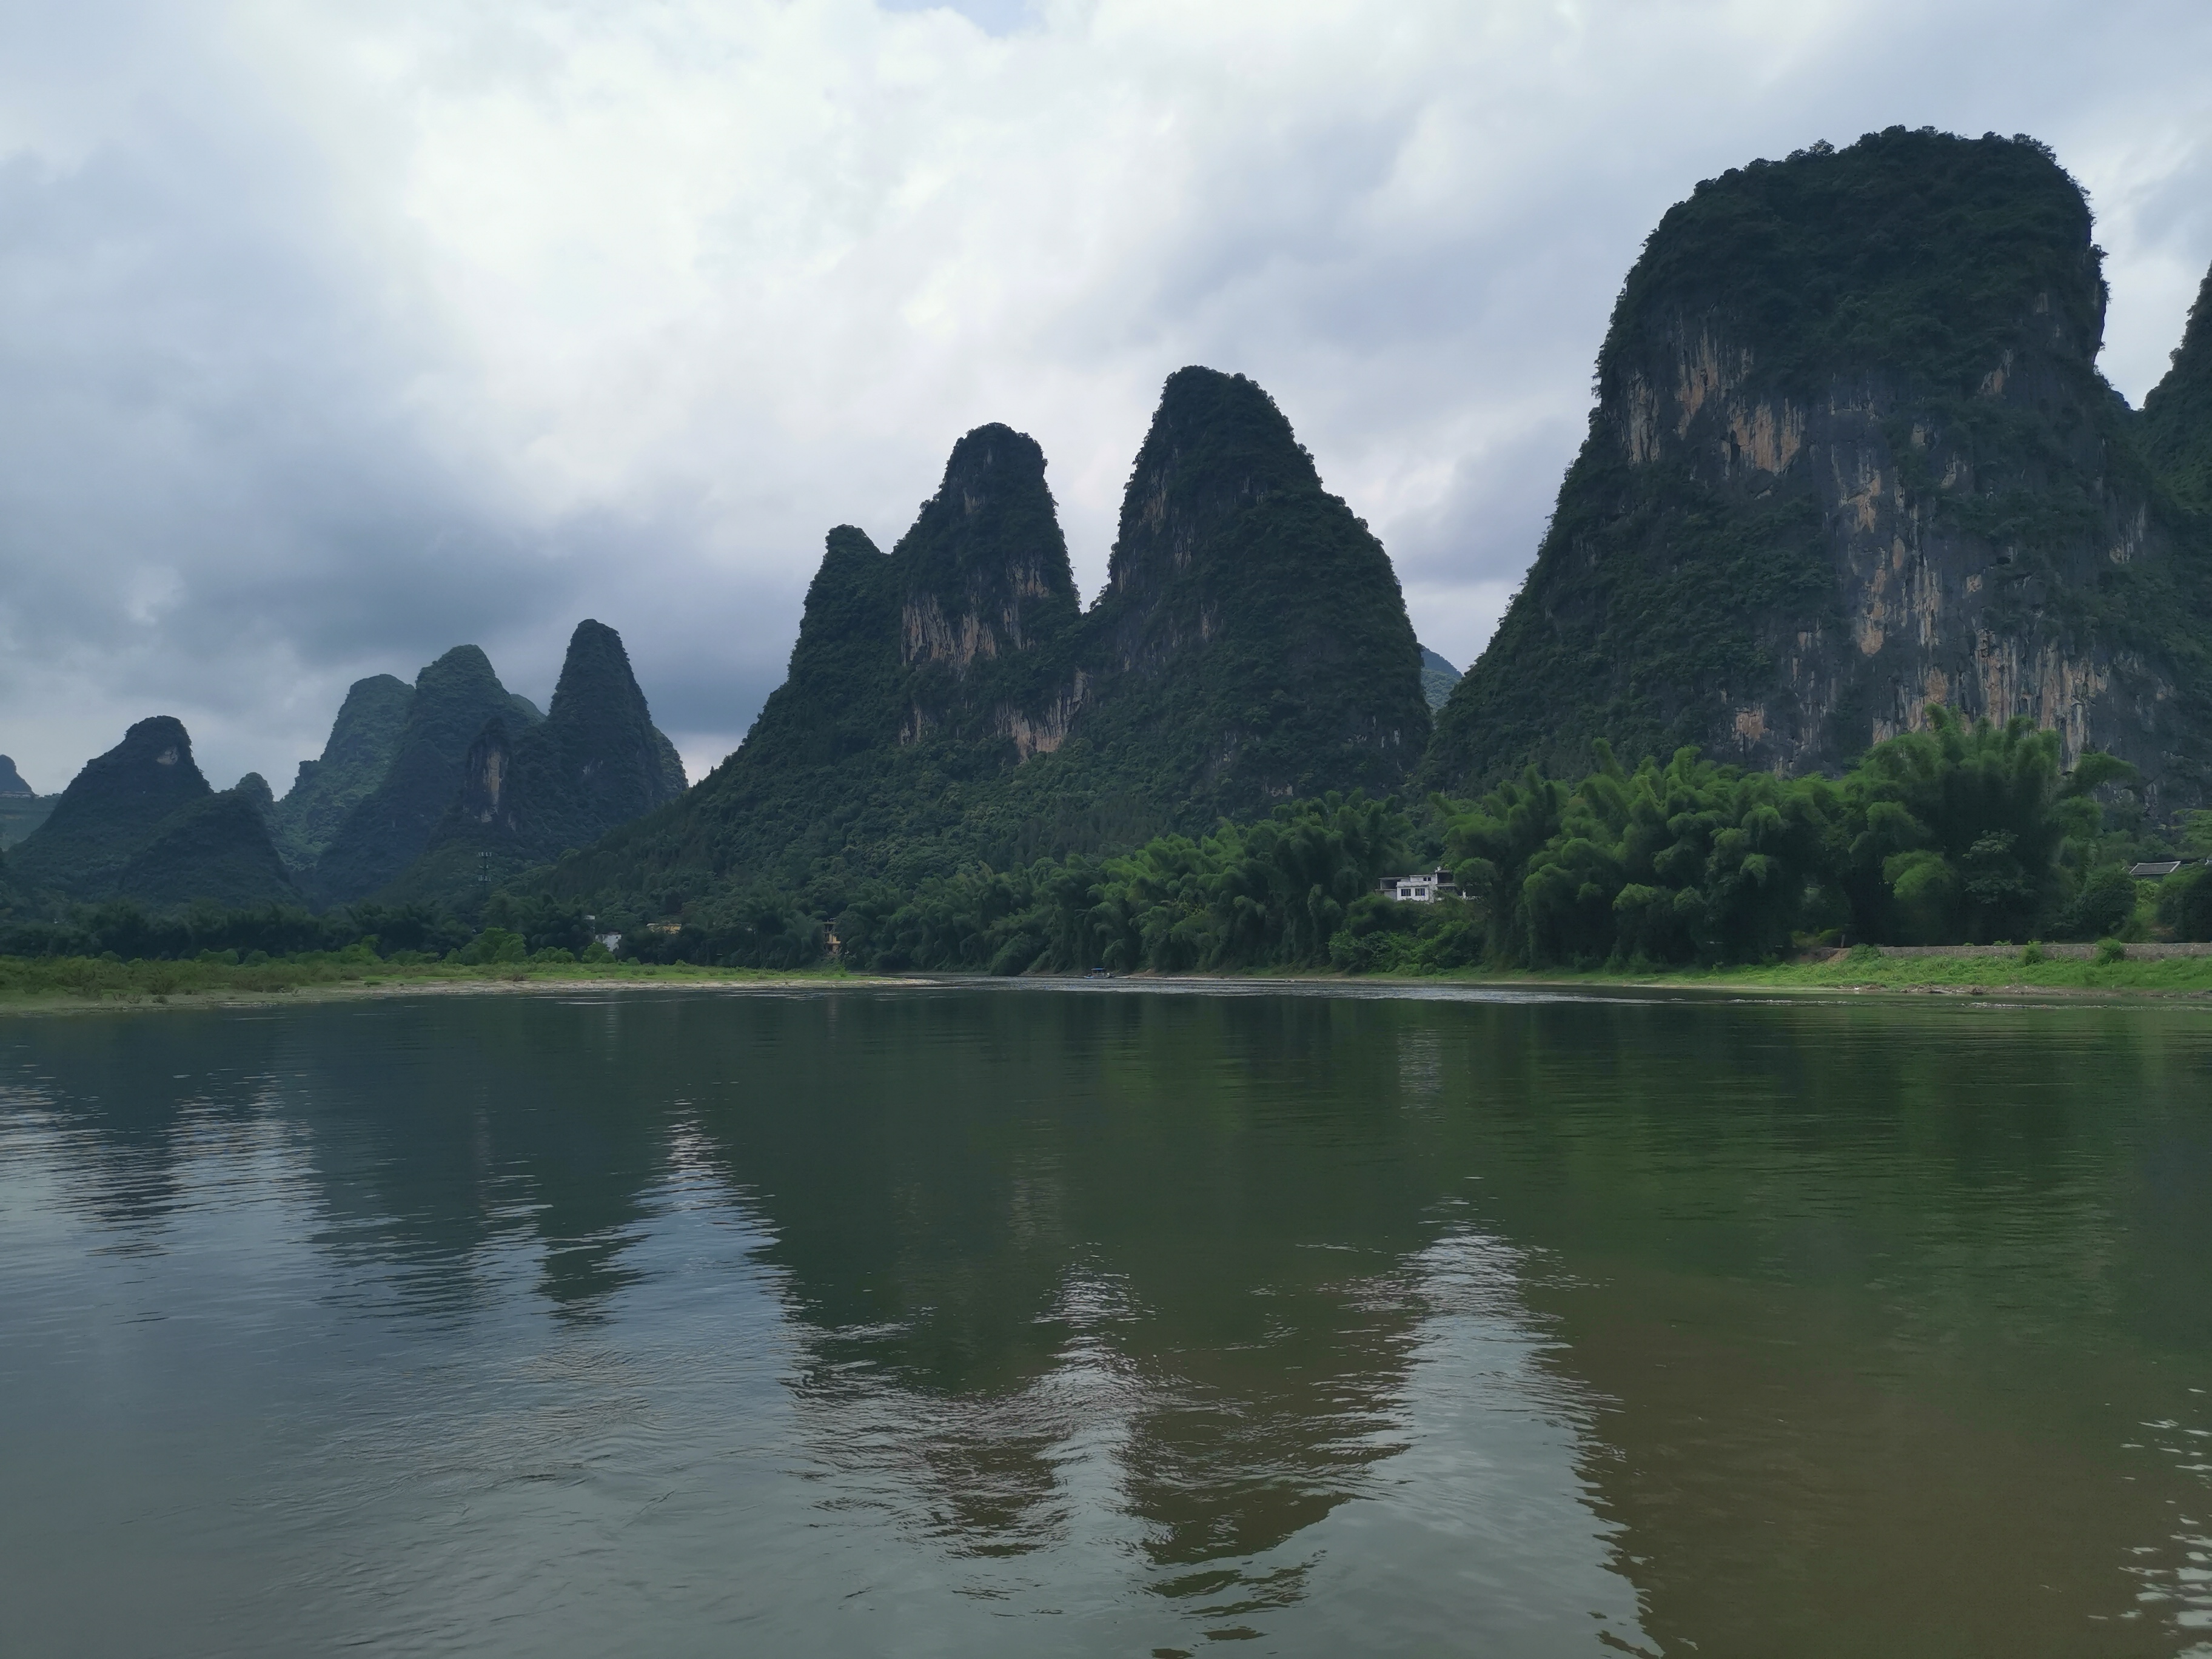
{"points": [[430, 791], [952, 700]]}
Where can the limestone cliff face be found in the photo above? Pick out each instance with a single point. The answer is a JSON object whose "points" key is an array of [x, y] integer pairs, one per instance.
{"points": [[485, 802], [1929, 606], [1851, 457], [987, 602]]}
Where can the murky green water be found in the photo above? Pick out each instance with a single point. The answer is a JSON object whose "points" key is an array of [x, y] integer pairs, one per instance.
{"points": [[982, 1321]]}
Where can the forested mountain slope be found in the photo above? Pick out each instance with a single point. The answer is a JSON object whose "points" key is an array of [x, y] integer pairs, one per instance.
{"points": [[363, 739], [2177, 416], [387, 827]]}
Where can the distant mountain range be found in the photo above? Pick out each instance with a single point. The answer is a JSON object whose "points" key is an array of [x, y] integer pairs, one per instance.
{"points": [[420, 793], [1851, 455]]}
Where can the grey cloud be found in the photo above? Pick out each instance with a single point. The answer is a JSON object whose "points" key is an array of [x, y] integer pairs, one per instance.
{"points": [[274, 413]]}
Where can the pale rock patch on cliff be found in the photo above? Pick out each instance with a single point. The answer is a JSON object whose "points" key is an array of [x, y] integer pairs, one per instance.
{"points": [[1042, 731], [926, 636]]}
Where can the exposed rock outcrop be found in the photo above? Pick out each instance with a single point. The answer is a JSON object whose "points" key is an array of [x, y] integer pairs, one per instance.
{"points": [[1852, 455], [11, 780], [987, 603]]}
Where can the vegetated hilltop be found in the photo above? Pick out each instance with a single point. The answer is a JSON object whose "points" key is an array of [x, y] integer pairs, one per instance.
{"points": [[1252, 643], [363, 740], [141, 823], [2177, 416], [529, 794], [387, 827], [1851, 457], [951, 701]]}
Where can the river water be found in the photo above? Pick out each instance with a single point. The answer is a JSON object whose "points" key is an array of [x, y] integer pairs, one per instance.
{"points": [[988, 1321]]}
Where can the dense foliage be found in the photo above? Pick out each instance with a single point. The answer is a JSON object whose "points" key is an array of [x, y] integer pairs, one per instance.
{"points": [[1957, 833], [1905, 249], [1437, 678], [122, 929], [1954, 833]]}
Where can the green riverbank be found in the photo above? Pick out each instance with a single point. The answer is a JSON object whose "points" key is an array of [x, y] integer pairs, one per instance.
{"points": [[54, 985], [77, 983], [2065, 976]]}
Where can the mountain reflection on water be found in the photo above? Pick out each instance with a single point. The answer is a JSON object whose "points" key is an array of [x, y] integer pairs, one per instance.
{"points": [[984, 1320]]}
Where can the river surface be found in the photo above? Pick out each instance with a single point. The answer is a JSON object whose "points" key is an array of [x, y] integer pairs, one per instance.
{"points": [[985, 1321]]}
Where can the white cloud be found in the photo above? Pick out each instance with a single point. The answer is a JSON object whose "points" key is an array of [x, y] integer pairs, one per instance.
{"points": [[334, 335]]}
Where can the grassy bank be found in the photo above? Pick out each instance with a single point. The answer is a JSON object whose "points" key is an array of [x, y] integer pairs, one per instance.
{"points": [[51, 982], [2169, 976]]}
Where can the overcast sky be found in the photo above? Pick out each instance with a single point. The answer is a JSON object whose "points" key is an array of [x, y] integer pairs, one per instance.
{"points": [[333, 336]]}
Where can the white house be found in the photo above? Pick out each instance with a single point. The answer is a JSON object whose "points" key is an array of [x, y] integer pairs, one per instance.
{"points": [[1420, 890]]}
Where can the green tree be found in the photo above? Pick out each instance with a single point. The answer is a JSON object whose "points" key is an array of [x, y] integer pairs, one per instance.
{"points": [[1963, 830]]}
